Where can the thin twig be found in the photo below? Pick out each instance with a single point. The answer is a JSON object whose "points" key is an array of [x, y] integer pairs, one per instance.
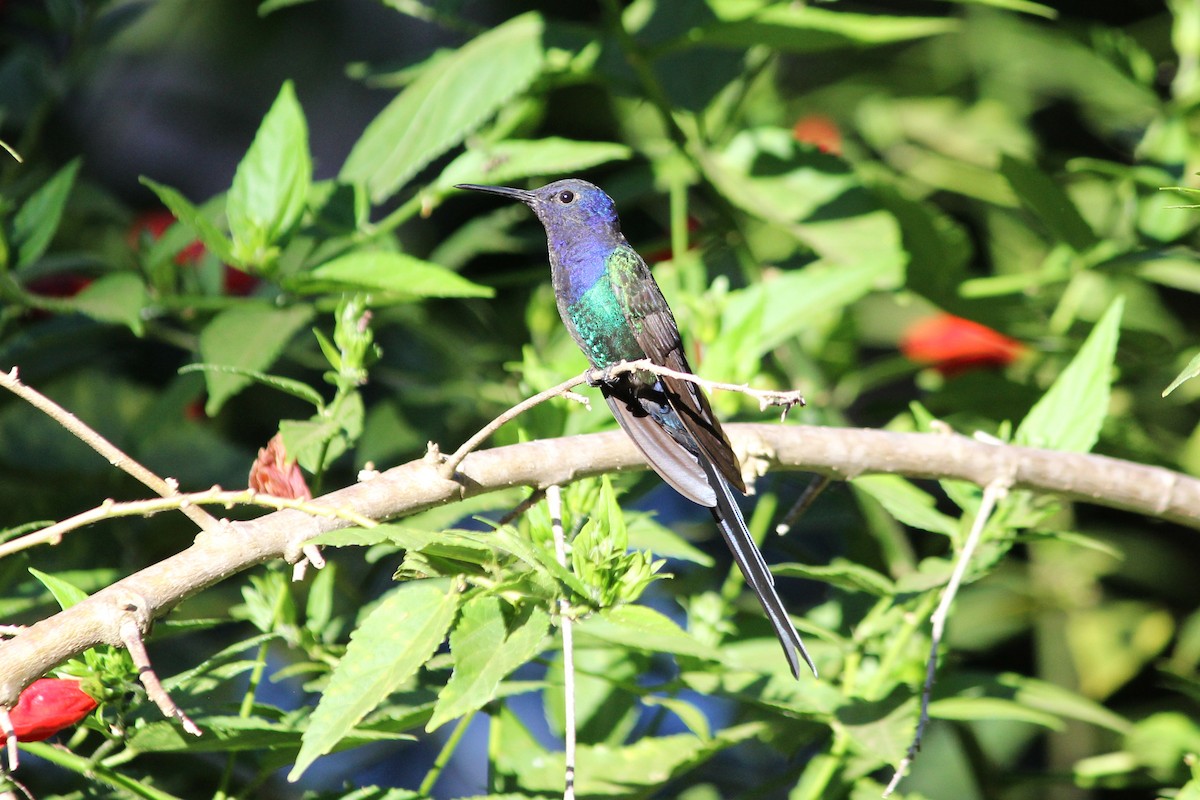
{"points": [[451, 463], [554, 501], [765, 398], [534, 498], [131, 636], [992, 493], [114, 455], [110, 509], [807, 498]]}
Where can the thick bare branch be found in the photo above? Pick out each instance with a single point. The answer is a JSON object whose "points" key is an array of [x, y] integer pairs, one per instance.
{"points": [[416, 486]]}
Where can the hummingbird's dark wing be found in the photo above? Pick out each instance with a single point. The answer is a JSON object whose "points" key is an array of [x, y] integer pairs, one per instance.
{"points": [[654, 329], [673, 424]]}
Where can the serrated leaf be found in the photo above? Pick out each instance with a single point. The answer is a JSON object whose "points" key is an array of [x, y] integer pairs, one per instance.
{"points": [[1046, 200], [1069, 415], [183, 210], [514, 159], [390, 272], [907, 503], [485, 652], [287, 385], [841, 573], [1189, 372], [438, 109], [386, 650], [271, 184], [34, 225], [120, 297], [249, 337], [66, 594], [643, 628]]}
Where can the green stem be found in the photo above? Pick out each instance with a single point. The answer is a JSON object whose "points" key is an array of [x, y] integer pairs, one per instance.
{"points": [[395, 219], [443, 757], [247, 706], [98, 772], [900, 641]]}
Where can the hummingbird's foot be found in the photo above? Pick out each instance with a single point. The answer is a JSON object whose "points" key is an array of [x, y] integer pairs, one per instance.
{"points": [[600, 378]]}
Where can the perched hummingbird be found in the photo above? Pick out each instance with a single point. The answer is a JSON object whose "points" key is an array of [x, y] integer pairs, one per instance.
{"points": [[615, 311]]}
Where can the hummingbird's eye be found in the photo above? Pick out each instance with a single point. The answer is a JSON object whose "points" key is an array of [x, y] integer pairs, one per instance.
{"points": [[566, 197]]}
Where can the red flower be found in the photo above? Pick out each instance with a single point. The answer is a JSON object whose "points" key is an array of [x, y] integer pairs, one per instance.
{"points": [[46, 707], [952, 344], [155, 224], [819, 131], [276, 475], [59, 284]]}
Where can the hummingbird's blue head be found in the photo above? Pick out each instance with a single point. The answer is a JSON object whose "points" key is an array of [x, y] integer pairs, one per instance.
{"points": [[569, 209]]}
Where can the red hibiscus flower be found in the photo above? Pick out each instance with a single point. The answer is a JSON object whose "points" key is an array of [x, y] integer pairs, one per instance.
{"points": [[953, 345]]}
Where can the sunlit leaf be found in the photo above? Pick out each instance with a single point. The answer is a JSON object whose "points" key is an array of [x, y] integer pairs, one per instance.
{"points": [[445, 104], [387, 649]]}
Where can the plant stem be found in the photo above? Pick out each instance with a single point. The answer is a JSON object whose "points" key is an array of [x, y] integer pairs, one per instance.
{"points": [[443, 757]]}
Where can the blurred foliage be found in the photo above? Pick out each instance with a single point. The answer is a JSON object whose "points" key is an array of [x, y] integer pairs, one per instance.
{"points": [[810, 181]]}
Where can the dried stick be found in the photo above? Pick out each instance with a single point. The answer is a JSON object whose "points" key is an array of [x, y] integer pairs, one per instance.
{"points": [[114, 455], [992, 494], [554, 501], [841, 453], [805, 501], [110, 509], [131, 636]]}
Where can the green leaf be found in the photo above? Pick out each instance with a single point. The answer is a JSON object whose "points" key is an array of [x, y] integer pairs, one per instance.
{"points": [[907, 503], [35, 224], [1046, 200], [1189, 372], [631, 771], [1033, 695], [688, 713], [120, 297], [67, 594], [208, 233], [485, 651], [438, 109], [807, 29], [249, 337], [271, 184], [643, 628], [390, 272], [317, 442], [288, 385], [1068, 417], [513, 159], [843, 574], [647, 534], [387, 649], [991, 708]]}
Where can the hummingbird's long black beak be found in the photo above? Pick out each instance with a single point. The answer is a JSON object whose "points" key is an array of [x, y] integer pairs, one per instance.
{"points": [[524, 196]]}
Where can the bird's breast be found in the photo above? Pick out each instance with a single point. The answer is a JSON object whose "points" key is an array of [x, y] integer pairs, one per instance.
{"points": [[598, 323]]}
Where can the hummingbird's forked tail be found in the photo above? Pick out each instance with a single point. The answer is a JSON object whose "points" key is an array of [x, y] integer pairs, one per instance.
{"points": [[758, 577]]}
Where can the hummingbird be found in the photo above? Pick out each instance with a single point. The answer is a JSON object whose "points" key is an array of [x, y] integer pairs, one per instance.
{"points": [[615, 311]]}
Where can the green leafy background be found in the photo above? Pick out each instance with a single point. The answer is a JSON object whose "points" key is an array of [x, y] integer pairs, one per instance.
{"points": [[300, 263]]}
